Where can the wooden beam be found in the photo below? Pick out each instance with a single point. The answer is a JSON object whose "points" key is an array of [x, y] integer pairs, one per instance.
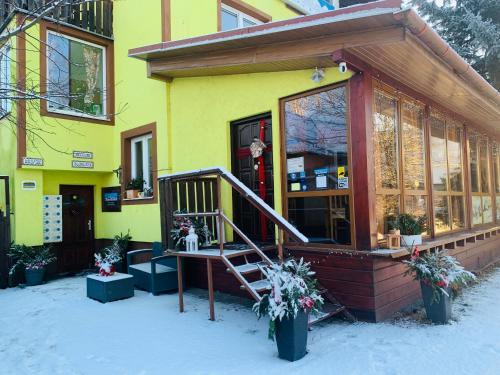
{"points": [[181, 286], [363, 178], [275, 52], [166, 30], [211, 301]]}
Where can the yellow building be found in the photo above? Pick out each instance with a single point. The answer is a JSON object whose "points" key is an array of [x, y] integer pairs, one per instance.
{"points": [[364, 112]]}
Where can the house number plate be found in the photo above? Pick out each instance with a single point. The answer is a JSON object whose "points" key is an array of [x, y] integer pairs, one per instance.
{"points": [[82, 164]]}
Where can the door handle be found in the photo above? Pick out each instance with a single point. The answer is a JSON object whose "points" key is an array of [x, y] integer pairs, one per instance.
{"points": [[90, 224]]}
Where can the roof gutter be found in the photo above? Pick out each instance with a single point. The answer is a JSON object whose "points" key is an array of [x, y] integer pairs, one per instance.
{"points": [[423, 31]]}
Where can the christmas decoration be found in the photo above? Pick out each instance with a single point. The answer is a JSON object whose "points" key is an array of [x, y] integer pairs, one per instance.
{"points": [[106, 261]]}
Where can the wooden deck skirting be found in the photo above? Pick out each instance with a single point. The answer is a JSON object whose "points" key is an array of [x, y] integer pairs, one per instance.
{"points": [[372, 286]]}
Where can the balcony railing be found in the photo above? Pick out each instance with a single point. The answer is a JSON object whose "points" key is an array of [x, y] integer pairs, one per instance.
{"points": [[93, 16]]}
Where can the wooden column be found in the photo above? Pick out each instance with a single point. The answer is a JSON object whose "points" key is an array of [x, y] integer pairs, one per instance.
{"points": [[181, 286], [362, 161], [210, 289]]}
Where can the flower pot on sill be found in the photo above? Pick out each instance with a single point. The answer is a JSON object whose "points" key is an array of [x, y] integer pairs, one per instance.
{"points": [[291, 337], [413, 240], [132, 194], [437, 311], [34, 276]]}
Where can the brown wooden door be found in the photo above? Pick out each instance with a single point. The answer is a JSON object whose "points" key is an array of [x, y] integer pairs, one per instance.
{"points": [[246, 217], [77, 249]]}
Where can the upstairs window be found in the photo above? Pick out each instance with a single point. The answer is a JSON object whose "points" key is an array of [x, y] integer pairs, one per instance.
{"points": [[5, 80], [232, 18], [76, 76]]}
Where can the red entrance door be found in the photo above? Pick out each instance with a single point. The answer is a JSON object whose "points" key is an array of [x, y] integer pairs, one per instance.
{"points": [[259, 179], [77, 249]]}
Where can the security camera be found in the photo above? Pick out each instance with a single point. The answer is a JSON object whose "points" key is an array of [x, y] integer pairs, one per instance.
{"points": [[343, 67]]}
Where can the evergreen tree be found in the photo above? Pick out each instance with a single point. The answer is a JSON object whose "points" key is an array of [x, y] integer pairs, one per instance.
{"points": [[472, 28]]}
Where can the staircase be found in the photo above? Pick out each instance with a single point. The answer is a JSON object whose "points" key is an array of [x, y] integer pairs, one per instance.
{"points": [[197, 194]]}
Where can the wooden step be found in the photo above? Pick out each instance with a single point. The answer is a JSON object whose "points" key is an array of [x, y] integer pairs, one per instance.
{"points": [[246, 268], [259, 285], [328, 310]]}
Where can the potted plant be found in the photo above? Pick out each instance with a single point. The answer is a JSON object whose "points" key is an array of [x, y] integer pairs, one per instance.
{"points": [[134, 187], [181, 228], [440, 275], [410, 227], [122, 240], [33, 260], [107, 259], [293, 296]]}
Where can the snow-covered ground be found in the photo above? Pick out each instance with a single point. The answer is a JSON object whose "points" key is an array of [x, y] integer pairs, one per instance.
{"points": [[55, 329]]}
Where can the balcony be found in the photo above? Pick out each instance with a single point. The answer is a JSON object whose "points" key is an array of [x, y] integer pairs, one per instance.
{"points": [[95, 17]]}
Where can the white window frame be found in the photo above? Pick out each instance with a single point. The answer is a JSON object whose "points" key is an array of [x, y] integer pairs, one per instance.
{"points": [[104, 80], [240, 15], [5, 72], [145, 158]]}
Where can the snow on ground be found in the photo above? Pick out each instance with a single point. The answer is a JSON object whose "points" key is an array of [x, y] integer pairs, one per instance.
{"points": [[55, 329]]}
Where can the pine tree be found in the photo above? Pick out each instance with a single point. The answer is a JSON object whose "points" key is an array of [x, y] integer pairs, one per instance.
{"points": [[472, 28]]}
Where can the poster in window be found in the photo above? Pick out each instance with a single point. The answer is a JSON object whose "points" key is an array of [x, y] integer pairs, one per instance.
{"points": [[111, 199]]}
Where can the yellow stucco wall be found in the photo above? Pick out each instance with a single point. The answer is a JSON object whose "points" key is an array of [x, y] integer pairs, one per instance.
{"points": [[206, 106], [192, 127], [199, 17]]}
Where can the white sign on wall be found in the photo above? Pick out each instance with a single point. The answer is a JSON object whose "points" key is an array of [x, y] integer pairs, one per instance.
{"points": [[52, 218]]}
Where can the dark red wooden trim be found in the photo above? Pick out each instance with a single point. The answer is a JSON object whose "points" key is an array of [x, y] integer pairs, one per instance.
{"points": [[360, 108]]}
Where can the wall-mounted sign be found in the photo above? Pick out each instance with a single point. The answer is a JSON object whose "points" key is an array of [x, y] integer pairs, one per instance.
{"points": [[295, 165], [83, 155], [28, 185], [321, 179], [343, 183], [52, 218], [33, 162], [82, 164], [111, 199]]}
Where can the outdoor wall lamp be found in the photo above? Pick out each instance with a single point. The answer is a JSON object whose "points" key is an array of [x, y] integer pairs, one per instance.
{"points": [[318, 75], [118, 173]]}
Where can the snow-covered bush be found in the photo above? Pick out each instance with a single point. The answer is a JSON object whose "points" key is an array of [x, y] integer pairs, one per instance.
{"points": [[439, 271], [107, 259], [29, 257], [293, 288]]}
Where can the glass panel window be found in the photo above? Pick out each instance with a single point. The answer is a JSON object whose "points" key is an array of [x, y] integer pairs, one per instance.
{"points": [[141, 160], [316, 142], [438, 154], [482, 206], [498, 207], [5, 80], [386, 206], [416, 205], [317, 165], [457, 212], [322, 219], [413, 142], [441, 214], [232, 18], [447, 173], [477, 211], [386, 142], [76, 82]]}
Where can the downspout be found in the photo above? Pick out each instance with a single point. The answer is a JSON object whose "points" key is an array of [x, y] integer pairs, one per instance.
{"points": [[431, 39]]}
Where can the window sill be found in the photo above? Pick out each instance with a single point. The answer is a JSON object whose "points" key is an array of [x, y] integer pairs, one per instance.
{"points": [[74, 116], [132, 201]]}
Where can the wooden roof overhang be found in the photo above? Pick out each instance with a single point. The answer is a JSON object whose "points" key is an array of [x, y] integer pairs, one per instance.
{"points": [[391, 41]]}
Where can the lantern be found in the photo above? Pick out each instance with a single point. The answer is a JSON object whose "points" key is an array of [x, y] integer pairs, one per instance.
{"points": [[208, 239], [192, 241]]}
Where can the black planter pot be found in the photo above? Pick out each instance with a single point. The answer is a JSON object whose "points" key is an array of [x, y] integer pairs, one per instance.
{"points": [[440, 311], [34, 277], [291, 337]]}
